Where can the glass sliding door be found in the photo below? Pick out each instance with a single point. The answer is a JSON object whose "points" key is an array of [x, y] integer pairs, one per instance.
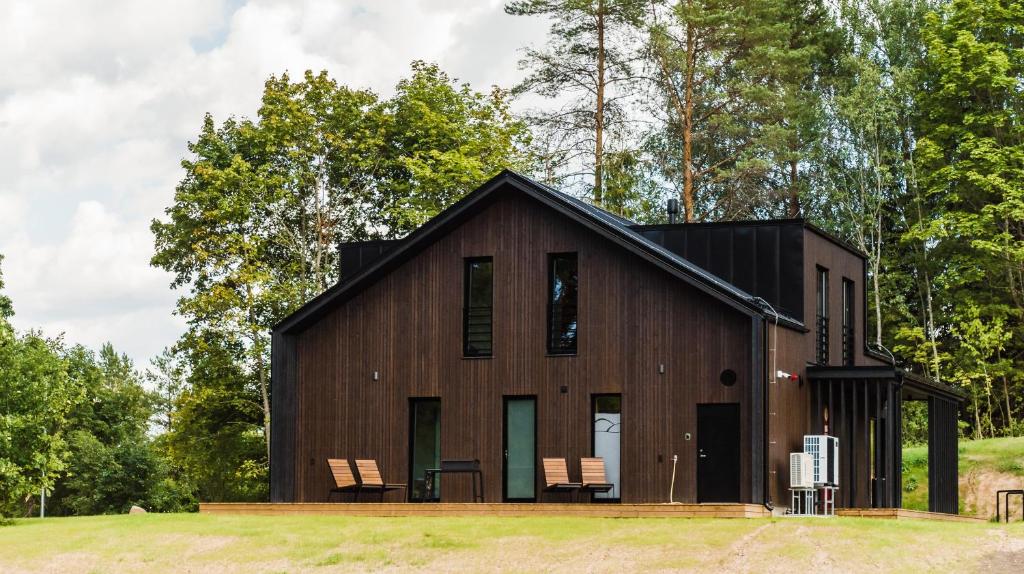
{"points": [[424, 447], [520, 448], [607, 417]]}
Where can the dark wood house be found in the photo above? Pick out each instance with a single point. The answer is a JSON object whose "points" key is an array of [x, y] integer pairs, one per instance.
{"points": [[522, 323]]}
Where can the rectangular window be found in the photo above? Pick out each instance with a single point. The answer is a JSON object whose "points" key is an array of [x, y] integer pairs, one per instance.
{"points": [[425, 448], [477, 308], [848, 306], [607, 411], [563, 296], [821, 335]]}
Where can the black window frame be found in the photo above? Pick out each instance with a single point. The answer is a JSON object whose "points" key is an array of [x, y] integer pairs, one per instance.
{"points": [[821, 292], [849, 320], [468, 310], [552, 349]]}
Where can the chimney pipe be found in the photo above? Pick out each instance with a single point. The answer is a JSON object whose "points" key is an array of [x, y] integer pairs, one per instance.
{"points": [[673, 210]]}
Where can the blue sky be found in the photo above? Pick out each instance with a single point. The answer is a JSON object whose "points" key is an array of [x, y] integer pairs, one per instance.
{"points": [[98, 100]]}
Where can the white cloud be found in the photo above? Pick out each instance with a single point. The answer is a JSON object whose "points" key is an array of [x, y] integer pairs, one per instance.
{"points": [[98, 99]]}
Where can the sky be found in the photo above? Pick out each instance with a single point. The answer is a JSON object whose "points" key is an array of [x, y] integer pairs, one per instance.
{"points": [[98, 100]]}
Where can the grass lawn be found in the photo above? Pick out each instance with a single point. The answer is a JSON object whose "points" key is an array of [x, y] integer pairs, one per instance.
{"points": [[209, 543], [985, 466]]}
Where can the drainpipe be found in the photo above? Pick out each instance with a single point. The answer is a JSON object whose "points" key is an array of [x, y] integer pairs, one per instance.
{"points": [[766, 409], [765, 398]]}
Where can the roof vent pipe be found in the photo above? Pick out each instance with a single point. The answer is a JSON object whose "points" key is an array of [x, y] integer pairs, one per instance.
{"points": [[673, 210]]}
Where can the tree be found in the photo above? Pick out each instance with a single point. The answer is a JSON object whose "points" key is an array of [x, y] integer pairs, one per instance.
{"points": [[442, 139], [971, 160], [732, 76], [112, 463], [35, 399], [589, 63], [256, 220]]}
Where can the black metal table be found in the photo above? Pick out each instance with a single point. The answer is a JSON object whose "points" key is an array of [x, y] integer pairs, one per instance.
{"points": [[1006, 495], [457, 466]]}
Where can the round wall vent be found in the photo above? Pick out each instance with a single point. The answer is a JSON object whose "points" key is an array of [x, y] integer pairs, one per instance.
{"points": [[728, 377]]}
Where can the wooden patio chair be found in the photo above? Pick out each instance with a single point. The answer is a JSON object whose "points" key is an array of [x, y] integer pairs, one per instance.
{"points": [[594, 480], [556, 476], [344, 480], [370, 478]]}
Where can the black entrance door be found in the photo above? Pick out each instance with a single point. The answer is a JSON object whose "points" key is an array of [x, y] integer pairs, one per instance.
{"points": [[718, 452]]}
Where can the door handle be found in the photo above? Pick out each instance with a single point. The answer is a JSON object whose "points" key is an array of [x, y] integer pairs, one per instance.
{"points": [[506, 454], [701, 454]]}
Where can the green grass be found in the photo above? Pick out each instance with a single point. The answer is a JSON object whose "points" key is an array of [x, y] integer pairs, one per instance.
{"points": [[977, 458], [201, 543]]}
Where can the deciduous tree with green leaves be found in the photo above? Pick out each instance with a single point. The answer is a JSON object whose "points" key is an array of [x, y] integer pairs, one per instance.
{"points": [[254, 227], [36, 396]]}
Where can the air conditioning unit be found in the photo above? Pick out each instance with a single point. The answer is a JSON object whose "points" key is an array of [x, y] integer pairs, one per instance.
{"points": [[824, 451], [801, 470]]}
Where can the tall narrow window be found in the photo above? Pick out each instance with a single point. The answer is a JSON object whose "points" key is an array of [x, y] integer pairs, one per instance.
{"points": [[425, 448], [477, 308], [607, 410], [821, 335], [563, 295], [848, 306]]}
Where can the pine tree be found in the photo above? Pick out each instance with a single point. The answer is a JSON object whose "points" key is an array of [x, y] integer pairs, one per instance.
{"points": [[733, 75], [587, 63]]}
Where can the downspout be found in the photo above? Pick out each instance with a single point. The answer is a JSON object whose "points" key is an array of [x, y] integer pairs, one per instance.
{"points": [[766, 409], [765, 398]]}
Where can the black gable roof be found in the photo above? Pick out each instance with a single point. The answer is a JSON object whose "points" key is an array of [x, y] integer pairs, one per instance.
{"points": [[614, 228]]}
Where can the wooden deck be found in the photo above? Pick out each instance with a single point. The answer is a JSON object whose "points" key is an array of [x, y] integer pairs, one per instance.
{"points": [[902, 513], [392, 509], [388, 509]]}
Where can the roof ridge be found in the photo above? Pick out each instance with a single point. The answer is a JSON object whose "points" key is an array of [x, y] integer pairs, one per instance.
{"points": [[607, 224]]}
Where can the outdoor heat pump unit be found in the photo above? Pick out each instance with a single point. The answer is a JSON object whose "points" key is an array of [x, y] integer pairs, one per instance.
{"points": [[824, 452], [801, 470]]}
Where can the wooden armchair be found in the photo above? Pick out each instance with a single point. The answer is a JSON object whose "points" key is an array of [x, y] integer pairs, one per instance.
{"points": [[344, 480], [556, 476], [594, 479], [370, 478]]}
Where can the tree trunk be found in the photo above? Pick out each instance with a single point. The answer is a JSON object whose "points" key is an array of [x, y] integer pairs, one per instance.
{"points": [[1006, 395], [931, 323], [977, 416], [794, 194], [988, 399], [691, 43], [265, 396], [877, 288], [599, 112], [261, 371]]}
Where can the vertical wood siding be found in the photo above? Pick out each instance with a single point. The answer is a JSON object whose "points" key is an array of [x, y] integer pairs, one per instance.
{"points": [[408, 327], [790, 412]]}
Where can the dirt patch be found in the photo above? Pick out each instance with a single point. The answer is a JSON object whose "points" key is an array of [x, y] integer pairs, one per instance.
{"points": [[1005, 554], [58, 563], [195, 544], [735, 559], [978, 488]]}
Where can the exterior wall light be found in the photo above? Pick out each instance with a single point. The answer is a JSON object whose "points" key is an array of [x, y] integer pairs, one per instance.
{"points": [[785, 375]]}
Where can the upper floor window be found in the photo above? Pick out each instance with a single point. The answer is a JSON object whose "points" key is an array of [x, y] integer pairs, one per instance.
{"points": [[848, 332], [563, 296], [477, 313], [821, 323]]}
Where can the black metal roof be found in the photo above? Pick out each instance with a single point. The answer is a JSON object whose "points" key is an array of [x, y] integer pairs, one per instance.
{"points": [[617, 229]]}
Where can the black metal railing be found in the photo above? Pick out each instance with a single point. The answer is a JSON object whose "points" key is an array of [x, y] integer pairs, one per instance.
{"points": [[562, 324], [477, 340], [848, 345], [821, 340]]}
